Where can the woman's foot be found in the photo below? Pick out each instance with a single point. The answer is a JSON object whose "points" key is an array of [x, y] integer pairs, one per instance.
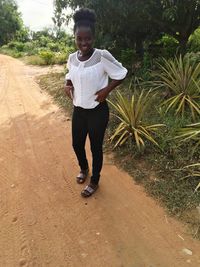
{"points": [[89, 190], [82, 176]]}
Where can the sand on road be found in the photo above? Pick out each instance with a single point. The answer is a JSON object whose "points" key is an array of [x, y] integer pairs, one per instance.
{"points": [[43, 219]]}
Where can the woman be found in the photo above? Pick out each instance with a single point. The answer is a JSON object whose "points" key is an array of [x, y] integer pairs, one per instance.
{"points": [[87, 84]]}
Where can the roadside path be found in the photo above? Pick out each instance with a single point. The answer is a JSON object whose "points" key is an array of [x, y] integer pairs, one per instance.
{"points": [[43, 219]]}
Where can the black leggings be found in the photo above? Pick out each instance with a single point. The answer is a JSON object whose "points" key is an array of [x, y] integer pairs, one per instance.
{"points": [[92, 122]]}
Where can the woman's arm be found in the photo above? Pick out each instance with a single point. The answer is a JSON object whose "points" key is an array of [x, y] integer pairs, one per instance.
{"points": [[68, 88], [104, 92]]}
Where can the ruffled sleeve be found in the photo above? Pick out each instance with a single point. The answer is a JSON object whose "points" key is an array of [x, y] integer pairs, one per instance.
{"points": [[112, 67]]}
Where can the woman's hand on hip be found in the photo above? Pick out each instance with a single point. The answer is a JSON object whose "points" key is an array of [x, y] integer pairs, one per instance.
{"points": [[69, 91], [102, 94]]}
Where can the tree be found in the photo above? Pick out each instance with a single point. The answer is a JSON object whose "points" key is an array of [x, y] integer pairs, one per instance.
{"points": [[178, 18], [58, 18], [128, 23], [123, 24], [10, 21]]}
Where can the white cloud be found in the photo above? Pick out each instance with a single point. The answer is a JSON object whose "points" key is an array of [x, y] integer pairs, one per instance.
{"points": [[36, 14]]}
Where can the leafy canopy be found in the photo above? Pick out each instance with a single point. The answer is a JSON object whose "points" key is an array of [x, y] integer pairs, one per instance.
{"points": [[10, 21]]}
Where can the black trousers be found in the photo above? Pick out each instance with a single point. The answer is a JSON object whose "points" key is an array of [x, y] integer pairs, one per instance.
{"points": [[92, 122]]}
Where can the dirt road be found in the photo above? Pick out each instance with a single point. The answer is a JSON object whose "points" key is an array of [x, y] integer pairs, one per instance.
{"points": [[43, 219]]}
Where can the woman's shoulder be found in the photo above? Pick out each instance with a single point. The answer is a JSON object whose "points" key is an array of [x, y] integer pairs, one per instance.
{"points": [[105, 54], [72, 55], [72, 59]]}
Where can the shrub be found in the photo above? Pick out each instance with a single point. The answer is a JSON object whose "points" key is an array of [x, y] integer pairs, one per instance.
{"points": [[60, 58], [131, 113], [47, 56], [182, 79], [16, 45], [193, 170], [188, 133], [127, 57], [194, 41], [193, 57], [53, 47], [30, 48]]}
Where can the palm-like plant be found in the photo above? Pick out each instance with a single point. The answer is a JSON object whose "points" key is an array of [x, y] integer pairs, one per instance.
{"points": [[190, 132], [182, 78], [131, 113]]}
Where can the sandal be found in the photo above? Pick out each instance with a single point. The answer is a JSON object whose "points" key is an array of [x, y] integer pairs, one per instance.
{"points": [[89, 190], [82, 176]]}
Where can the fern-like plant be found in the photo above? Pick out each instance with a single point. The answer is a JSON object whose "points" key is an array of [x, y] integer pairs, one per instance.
{"points": [[131, 113]]}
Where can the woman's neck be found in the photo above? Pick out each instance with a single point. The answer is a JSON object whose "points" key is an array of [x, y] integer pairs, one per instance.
{"points": [[84, 56]]}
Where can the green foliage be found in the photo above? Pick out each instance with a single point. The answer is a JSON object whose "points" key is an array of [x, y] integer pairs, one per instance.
{"points": [[60, 58], [188, 133], [58, 19], [141, 68], [167, 46], [180, 19], [54, 47], [182, 79], [154, 168], [193, 170], [193, 57], [10, 21], [22, 35], [126, 56], [130, 23], [131, 114], [43, 41], [47, 56], [194, 41], [16, 45]]}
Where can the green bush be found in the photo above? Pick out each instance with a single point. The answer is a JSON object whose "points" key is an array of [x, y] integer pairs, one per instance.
{"points": [[47, 56], [60, 58], [43, 41], [30, 48], [166, 47], [10, 52], [19, 46], [194, 41], [182, 79], [53, 47], [194, 57], [127, 56], [131, 114]]}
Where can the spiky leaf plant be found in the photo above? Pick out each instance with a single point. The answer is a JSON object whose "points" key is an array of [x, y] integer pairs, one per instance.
{"points": [[131, 113], [190, 132], [193, 171], [182, 79]]}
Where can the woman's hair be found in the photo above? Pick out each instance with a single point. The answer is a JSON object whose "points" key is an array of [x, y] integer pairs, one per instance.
{"points": [[84, 17]]}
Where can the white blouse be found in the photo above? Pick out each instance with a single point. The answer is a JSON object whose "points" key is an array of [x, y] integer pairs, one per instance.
{"points": [[92, 75]]}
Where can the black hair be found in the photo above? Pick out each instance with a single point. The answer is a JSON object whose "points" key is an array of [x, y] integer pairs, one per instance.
{"points": [[84, 17]]}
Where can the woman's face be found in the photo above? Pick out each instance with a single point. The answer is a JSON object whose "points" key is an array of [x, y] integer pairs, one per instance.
{"points": [[84, 39]]}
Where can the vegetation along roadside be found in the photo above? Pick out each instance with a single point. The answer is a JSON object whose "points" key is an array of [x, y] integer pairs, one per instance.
{"points": [[154, 144], [154, 129]]}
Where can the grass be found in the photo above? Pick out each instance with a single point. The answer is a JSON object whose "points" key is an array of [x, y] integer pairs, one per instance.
{"points": [[154, 168], [38, 60]]}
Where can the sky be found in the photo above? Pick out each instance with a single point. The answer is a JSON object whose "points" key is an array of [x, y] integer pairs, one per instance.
{"points": [[36, 14]]}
